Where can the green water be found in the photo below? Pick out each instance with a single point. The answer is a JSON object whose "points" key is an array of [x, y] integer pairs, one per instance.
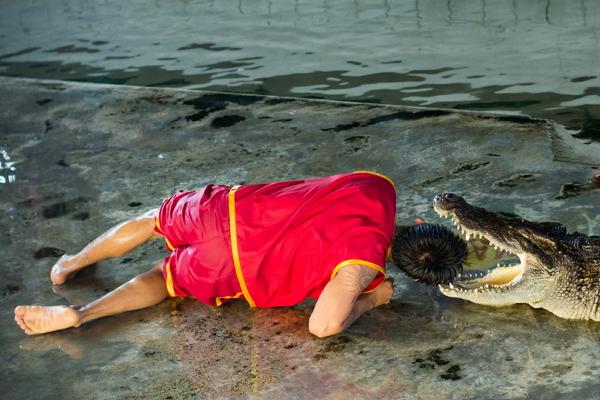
{"points": [[539, 57]]}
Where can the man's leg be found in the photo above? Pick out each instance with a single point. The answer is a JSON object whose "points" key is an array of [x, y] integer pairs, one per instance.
{"points": [[116, 242], [143, 291]]}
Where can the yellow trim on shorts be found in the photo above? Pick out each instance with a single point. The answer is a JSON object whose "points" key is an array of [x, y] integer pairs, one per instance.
{"points": [[169, 281], [169, 245], [234, 247], [377, 174], [219, 299]]}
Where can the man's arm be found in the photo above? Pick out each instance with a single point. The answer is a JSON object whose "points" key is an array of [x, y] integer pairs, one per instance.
{"points": [[342, 300]]}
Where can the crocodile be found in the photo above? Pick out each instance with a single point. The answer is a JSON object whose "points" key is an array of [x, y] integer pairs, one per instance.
{"points": [[557, 271]]}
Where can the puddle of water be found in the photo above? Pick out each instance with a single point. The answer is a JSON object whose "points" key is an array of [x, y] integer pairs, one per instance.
{"points": [[538, 57]]}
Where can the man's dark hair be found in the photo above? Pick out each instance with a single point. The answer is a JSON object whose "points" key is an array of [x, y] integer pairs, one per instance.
{"points": [[429, 253]]}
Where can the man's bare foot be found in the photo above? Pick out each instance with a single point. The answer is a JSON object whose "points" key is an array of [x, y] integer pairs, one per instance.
{"points": [[40, 319], [63, 269], [383, 293]]}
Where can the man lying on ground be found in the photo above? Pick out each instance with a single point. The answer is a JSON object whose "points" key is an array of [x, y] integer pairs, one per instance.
{"points": [[273, 245]]}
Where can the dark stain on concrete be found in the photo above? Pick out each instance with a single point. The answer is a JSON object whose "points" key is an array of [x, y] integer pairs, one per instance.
{"points": [[435, 356], [516, 180], [211, 103], [161, 99], [336, 344], [41, 102], [81, 216], [342, 127], [10, 289], [62, 163], [452, 373], [399, 115], [48, 126], [355, 144], [574, 189], [469, 167], [239, 99], [44, 252], [226, 121], [554, 370], [517, 119], [199, 115], [408, 116], [428, 182], [282, 120], [135, 203], [435, 359], [275, 101], [35, 201], [62, 208]]}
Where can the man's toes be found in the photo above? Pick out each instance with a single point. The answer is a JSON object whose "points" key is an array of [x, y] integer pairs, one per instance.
{"points": [[23, 326], [20, 311]]}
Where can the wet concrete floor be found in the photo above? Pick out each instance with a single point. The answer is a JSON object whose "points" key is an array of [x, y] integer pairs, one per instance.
{"points": [[79, 158]]}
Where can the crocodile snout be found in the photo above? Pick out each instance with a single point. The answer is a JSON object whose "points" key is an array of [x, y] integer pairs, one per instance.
{"points": [[447, 201]]}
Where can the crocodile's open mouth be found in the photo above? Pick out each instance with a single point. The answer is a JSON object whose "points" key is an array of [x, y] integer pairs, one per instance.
{"points": [[497, 279]]}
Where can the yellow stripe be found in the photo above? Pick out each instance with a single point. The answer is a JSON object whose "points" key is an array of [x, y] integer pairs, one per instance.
{"points": [[158, 222], [234, 247], [169, 245], [357, 262], [170, 281], [219, 301], [377, 174]]}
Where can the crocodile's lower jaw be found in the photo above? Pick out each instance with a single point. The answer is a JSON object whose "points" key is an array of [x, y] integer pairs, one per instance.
{"points": [[494, 281]]}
